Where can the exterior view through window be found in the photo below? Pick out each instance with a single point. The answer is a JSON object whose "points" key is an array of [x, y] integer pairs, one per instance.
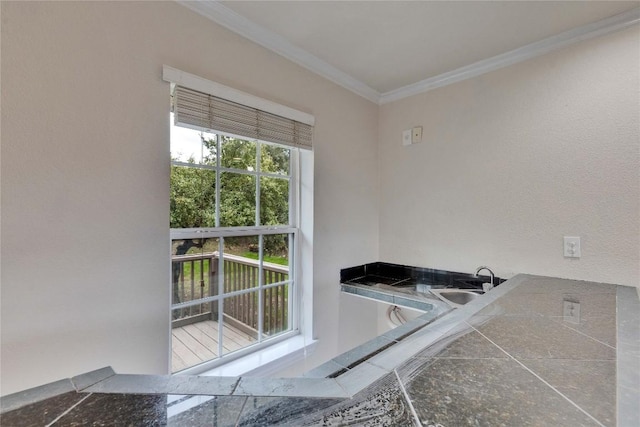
{"points": [[232, 230]]}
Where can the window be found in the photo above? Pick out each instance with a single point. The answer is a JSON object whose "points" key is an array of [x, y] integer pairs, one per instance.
{"points": [[235, 228]]}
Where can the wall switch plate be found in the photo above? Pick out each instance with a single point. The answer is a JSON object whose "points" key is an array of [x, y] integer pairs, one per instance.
{"points": [[571, 311], [416, 134], [572, 247], [406, 137]]}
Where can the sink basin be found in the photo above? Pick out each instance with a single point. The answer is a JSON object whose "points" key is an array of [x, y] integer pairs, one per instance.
{"points": [[455, 297]]}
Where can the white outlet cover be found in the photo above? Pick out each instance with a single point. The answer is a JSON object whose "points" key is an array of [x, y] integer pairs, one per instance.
{"points": [[572, 247], [571, 311], [406, 137]]}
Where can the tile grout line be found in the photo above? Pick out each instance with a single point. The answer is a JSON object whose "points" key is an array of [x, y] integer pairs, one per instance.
{"points": [[235, 386], [237, 423], [344, 390], [582, 333], [68, 410], [406, 396], [538, 377], [554, 319]]}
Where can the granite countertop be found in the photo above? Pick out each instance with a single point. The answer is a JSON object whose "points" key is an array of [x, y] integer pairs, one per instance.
{"points": [[408, 286], [534, 351]]}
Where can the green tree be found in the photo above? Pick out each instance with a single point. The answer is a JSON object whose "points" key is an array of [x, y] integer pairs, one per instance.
{"points": [[193, 191], [193, 197]]}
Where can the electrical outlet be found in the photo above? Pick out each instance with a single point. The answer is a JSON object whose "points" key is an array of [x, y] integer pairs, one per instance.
{"points": [[572, 247], [416, 134], [571, 311]]}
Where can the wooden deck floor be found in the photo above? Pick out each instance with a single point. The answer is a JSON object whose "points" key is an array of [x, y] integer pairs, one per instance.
{"points": [[198, 342]]}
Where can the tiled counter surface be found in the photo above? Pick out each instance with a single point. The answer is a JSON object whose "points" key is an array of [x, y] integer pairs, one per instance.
{"points": [[509, 358]]}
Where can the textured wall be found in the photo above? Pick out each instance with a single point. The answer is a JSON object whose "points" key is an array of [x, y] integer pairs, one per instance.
{"points": [[85, 181], [516, 159], [511, 162]]}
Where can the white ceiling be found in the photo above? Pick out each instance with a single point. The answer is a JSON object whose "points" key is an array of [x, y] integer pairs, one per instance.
{"points": [[382, 48]]}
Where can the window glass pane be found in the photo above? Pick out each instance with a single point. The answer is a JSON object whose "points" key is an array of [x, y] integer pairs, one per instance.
{"points": [[192, 197], [209, 149], [276, 310], [240, 322], [240, 263], [206, 331], [191, 146], [275, 258], [237, 200], [194, 267], [274, 159], [193, 341], [274, 201], [238, 154]]}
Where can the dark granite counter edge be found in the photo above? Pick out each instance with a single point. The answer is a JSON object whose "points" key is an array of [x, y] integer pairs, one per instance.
{"points": [[628, 356], [399, 273], [56, 388], [346, 385], [364, 374], [352, 358]]}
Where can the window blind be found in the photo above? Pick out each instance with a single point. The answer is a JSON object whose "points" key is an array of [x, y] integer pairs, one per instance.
{"points": [[194, 108]]}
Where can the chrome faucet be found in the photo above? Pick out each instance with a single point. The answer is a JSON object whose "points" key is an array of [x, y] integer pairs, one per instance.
{"points": [[492, 277]]}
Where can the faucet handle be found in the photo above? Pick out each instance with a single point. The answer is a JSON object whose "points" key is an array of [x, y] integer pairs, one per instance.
{"points": [[486, 287]]}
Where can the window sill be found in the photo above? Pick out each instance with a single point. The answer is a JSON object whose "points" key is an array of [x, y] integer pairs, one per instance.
{"points": [[267, 361]]}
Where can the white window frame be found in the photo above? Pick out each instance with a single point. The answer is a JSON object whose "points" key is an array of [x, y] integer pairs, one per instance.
{"points": [[295, 343]]}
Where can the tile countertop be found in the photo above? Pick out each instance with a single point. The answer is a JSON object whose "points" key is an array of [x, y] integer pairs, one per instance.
{"points": [[508, 358]]}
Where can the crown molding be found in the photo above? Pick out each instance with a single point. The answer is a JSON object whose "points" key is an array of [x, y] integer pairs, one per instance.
{"points": [[237, 23], [559, 41]]}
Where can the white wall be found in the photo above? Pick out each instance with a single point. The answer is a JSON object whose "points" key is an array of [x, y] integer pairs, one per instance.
{"points": [[516, 159], [85, 182], [511, 162]]}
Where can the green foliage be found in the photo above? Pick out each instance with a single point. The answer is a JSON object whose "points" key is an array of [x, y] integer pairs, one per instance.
{"points": [[274, 159], [193, 195], [237, 199], [282, 260], [238, 154], [193, 190], [274, 201]]}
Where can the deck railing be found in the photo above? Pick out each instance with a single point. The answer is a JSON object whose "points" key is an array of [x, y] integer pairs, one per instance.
{"points": [[196, 276]]}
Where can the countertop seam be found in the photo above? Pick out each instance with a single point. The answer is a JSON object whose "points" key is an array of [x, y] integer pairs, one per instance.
{"points": [[59, 417], [416, 419], [541, 379]]}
